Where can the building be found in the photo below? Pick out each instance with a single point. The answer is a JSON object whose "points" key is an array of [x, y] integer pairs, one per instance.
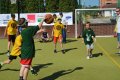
{"points": [[108, 3]]}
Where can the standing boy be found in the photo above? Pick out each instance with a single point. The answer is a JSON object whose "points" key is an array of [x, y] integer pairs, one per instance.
{"points": [[57, 33], [11, 31], [27, 48], [117, 28], [88, 37], [64, 30]]}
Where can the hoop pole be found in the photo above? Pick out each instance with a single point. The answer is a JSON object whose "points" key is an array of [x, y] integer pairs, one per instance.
{"points": [[18, 5]]}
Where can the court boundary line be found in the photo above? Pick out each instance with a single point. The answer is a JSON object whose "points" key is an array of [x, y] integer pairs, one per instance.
{"points": [[107, 54]]}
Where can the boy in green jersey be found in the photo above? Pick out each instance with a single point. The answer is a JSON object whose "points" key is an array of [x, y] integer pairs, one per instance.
{"points": [[88, 37], [27, 48]]}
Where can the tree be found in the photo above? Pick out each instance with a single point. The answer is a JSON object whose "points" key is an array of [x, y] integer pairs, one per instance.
{"points": [[52, 5], [67, 5]]}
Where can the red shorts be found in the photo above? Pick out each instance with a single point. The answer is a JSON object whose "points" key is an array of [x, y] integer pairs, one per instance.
{"points": [[26, 61], [57, 39]]}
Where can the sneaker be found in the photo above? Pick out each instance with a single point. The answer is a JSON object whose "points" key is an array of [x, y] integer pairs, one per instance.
{"points": [[8, 53], [88, 57], [118, 47], [34, 72], [55, 51], [91, 55], [63, 51], [0, 66]]}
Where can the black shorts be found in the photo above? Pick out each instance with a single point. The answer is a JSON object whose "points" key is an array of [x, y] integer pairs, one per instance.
{"points": [[12, 57], [11, 38]]}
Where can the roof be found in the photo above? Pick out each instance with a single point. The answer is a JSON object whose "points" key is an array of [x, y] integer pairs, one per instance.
{"points": [[113, 5]]}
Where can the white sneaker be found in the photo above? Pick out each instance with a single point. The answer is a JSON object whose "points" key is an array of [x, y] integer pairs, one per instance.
{"points": [[8, 54], [88, 57]]}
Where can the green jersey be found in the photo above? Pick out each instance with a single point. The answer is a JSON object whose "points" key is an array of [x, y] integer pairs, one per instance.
{"points": [[28, 47], [87, 35]]}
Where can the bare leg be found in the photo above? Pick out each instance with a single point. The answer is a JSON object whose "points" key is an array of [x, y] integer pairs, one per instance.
{"points": [[9, 43], [26, 70]]}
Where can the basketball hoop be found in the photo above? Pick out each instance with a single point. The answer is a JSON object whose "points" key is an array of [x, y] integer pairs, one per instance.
{"points": [[13, 1]]}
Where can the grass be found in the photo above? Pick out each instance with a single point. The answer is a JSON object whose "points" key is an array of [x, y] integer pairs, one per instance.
{"points": [[72, 65]]}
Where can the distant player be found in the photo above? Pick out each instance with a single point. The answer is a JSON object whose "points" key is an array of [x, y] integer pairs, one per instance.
{"points": [[11, 31], [45, 36], [57, 33], [88, 37], [64, 30]]}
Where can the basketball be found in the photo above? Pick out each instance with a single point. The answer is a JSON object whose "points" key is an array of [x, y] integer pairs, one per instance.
{"points": [[49, 18]]}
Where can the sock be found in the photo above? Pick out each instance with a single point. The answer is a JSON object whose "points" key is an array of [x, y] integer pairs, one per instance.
{"points": [[31, 68], [21, 78]]}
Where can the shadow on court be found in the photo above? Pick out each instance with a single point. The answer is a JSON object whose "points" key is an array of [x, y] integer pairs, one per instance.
{"points": [[67, 50], [118, 53], [97, 54], [38, 49], [3, 53], [58, 74], [8, 69], [69, 41], [40, 66]]}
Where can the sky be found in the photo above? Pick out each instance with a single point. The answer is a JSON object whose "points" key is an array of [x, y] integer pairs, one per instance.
{"points": [[90, 2]]}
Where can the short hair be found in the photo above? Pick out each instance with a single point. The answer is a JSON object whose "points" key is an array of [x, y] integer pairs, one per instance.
{"points": [[60, 13], [22, 22], [54, 15], [59, 19], [12, 15], [87, 22]]}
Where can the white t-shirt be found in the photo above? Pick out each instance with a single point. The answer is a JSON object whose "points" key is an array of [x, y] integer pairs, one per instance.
{"points": [[64, 21], [118, 24]]}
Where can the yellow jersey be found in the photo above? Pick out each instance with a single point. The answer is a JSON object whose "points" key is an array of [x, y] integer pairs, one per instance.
{"points": [[57, 29], [12, 27], [16, 48]]}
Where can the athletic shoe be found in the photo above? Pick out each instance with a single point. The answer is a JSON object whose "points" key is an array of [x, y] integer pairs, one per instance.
{"points": [[118, 47], [0, 66], [34, 72], [8, 53], [91, 55], [55, 51], [88, 57], [21, 78], [63, 51]]}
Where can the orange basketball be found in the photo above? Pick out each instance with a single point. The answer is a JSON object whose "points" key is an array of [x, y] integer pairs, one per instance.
{"points": [[49, 18]]}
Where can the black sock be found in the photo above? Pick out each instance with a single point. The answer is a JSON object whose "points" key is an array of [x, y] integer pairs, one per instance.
{"points": [[21, 78]]}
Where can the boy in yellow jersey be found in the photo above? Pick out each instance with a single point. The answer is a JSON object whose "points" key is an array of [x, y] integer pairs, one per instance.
{"points": [[57, 33], [55, 18], [11, 31], [16, 51]]}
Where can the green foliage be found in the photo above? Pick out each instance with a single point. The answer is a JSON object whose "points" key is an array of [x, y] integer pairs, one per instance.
{"points": [[68, 5], [35, 6], [52, 5]]}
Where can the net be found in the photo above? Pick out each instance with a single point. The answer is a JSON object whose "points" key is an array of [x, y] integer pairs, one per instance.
{"points": [[13, 1], [102, 21]]}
